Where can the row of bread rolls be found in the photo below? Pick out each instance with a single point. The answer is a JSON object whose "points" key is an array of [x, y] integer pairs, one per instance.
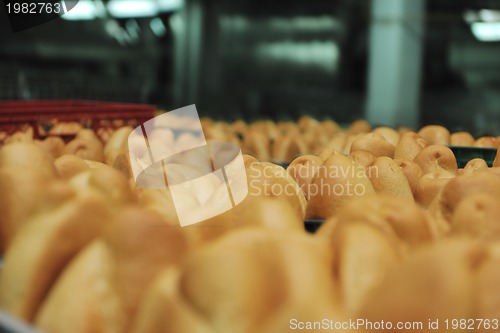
{"points": [[118, 261], [271, 141]]}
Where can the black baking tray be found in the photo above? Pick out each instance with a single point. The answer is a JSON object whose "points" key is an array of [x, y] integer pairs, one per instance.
{"points": [[465, 154]]}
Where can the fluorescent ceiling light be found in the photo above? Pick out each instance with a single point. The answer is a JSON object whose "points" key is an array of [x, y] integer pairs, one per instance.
{"points": [[170, 5], [132, 8], [84, 10], [486, 31], [158, 27], [489, 15]]}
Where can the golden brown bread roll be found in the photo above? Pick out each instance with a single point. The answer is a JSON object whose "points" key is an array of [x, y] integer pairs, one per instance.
{"points": [[257, 144], [430, 185], [268, 212], [436, 158], [365, 255], [23, 135], [115, 271], [363, 157], [487, 290], [338, 180], [286, 148], [486, 142], [268, 179], [374, 143], [400, 219], [43, 247], [302, 169], [116, 144], [21, 190], [474, 165], [435, 134], [27, 154], [337, 143], [387, 177], [66, 128], [435, 283], [211, 293], [409, 146], [461, 139], [477, 215], [70, 165], [412, 172], [53, 145], [359, 127], [86, 146], [464, 185], [390, 135]]}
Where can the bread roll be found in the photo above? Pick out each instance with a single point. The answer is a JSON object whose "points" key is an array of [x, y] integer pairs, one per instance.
{"points": [[437, 158], [86, 146], [359, 127], [70, 165], [365, 255], [115, 271], [303, 169], [387, 177], [374, 143], [363, 157], [390, 135], [430, 185], [286, 148], [409, 146], [461, 139], [434, 284], [268, 179], [41, 250], [117, 144], [257, 145], [337, 143], [486, 142], [487, 293], [464, 185], [475, 165], [240, 283], [53, 145], [412, 172], [477, 215], [108, 183], [339, 179], [270, 213], [21, 190], [435, 134], [27, 154], [398, 218], [25, 135]]}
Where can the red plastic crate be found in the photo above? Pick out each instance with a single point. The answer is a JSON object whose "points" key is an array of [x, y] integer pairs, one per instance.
{"points": [[41, 115]]}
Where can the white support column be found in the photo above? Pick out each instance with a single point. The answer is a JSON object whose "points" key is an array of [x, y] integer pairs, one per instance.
{"points": [[395, 62]]}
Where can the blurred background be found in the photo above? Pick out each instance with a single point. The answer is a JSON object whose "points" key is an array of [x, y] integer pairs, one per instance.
{"points": [[393, 62]]}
